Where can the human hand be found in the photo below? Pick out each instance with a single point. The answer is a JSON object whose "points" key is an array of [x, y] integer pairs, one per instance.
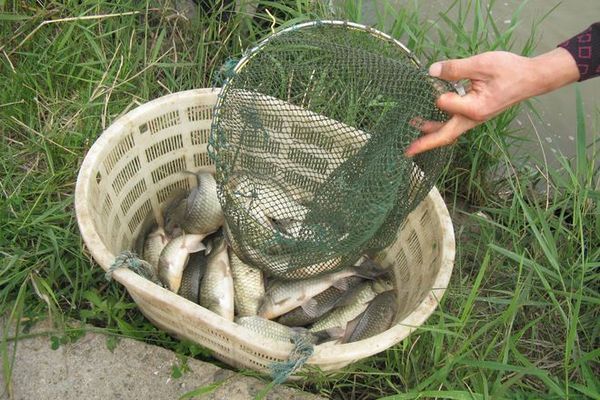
{"points": [[498, 80]]}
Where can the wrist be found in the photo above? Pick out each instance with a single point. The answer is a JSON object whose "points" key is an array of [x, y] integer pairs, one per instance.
{"points": [[552, 70]]}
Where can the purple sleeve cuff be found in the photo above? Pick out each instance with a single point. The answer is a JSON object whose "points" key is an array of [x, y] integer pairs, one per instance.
{"points": [[585, 49]]}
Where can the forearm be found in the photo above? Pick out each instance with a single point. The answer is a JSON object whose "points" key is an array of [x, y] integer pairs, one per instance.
{"points": [[550, 71]]}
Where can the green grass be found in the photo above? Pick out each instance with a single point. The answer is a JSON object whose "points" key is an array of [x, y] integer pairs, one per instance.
{"points": [[520, 318]]}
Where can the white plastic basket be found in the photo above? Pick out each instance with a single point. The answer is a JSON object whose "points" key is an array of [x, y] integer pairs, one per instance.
{"points": [[132, 168]]}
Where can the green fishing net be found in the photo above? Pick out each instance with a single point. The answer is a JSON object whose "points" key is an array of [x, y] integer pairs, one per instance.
{"points": [[308, 138]]}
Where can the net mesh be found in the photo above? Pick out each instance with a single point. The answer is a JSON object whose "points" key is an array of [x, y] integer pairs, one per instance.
{"points": [[308, 140]]}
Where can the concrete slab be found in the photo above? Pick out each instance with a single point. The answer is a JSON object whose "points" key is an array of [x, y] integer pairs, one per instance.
{"points": [[87, 369]]}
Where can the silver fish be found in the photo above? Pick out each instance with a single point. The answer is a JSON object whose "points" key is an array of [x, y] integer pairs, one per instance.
{"points": [[147, 226], [174, 257], [335, 320], [153, 246], [192, 276], [284, 296], [216, 289], [324, 302], [277, 204], [203, 212], [274, 202], [275, 331], [289, 228], [248, 286], [377, 318], [173, 211]]}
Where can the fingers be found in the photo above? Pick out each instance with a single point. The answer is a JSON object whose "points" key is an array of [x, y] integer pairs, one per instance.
{"points": [[454, 70], [426, 126], [470, 105], [447, 134]]}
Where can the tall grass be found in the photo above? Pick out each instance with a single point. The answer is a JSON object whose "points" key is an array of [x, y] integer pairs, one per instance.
{"points": [[520, 318]]}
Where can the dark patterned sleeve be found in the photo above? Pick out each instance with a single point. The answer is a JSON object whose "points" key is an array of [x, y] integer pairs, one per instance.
{"points": [[585, 49]]}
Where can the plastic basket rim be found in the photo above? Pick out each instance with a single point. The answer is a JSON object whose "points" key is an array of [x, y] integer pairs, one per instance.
{"points": [[325, 354]]}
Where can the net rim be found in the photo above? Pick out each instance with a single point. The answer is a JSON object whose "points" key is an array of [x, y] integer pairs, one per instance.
{"points": [[309, 24]]}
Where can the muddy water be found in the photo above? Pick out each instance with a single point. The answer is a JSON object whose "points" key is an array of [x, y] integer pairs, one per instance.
{"points": [[556, 124]]}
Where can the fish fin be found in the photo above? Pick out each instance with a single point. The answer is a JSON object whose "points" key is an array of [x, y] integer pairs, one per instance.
{"points": [[310, 308], [335, 332], [208, 248], [370, 269], [341, 284], [323, 336], [350, 328], [298, 329], [193, 244], [173, 200]]}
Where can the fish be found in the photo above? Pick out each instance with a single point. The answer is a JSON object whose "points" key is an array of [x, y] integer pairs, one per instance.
{"points": [[283, 296], [289, 228], [173, 211], [248, 285], [148, 225], [378, 317], [174, 257], [273, 201], [325, 301], [311, 271], [192, 276], [335, 320], [278, 205], [216, 289], [203, 212], [275, 331], [153, 246]]}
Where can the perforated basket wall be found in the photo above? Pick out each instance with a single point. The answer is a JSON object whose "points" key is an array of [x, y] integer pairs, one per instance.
{"points": [[137, 161]]}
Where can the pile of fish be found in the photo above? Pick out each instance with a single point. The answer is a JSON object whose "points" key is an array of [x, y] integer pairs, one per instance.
{"points": [[190, 255]]}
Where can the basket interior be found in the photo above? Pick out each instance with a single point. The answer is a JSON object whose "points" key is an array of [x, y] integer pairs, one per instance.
{"points": [[141, 161]]}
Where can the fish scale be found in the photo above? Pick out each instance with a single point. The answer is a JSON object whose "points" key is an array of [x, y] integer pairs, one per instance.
{"points": [[248, 286], [192, 276], [338, 317], [216, 289], [325, 301], [284, 296], [174, 257], [266, 328], [377, 317], [203, 210]]}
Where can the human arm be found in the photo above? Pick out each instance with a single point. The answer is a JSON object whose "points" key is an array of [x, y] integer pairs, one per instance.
{"points": [[500, 80]]}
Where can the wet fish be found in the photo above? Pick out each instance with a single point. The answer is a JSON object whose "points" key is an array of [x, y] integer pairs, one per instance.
{"points": [[324, 302], [284, 296], [248, 286], [174, 257], [203, 213], [274, 202], [148, 225], [377, 318], [279, 205], [216, 288], [312, 270], [275, 331], [192, 276], [173, 211], [153, 246], [289, 228], [335, 320]]}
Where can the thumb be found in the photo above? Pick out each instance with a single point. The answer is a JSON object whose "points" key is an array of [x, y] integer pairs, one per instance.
{"points": [[454, 70]]}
